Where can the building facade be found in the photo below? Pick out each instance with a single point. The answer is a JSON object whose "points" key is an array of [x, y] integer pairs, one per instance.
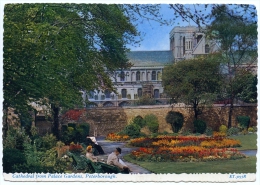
{"points": [[144, 78]]}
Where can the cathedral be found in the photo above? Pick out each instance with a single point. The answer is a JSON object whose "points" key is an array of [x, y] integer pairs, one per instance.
{"points": [[144, 78]]}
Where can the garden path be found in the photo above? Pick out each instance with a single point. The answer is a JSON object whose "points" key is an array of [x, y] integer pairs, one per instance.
{"points": [[109, 147]]}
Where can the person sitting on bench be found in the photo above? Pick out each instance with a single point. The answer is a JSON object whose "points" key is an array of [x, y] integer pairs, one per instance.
{"points": [[90, 155], [114, 160]]}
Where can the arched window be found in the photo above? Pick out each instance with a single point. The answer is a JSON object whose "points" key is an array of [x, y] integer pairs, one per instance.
{"points": [[206, 48], [156, 93], [154, 75], [107, 94], [138, 76], [133, 77], [122, 76], [139, 92], [123, 92]]}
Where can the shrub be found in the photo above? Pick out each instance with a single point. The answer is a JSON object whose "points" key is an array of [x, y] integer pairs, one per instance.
{"points": [[209, 131], [232, 131], [152, 122], [138, 120], [250, 129], [73, 125], [186, 132], [146, 100], [243, 121], [11, 157], [200, 126], [46, 142], [16, 138], [132, 130], [255, 128], [175, 119], [223, 129]]}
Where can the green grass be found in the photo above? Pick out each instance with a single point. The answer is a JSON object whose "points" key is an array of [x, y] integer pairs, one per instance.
{"points": [[248, 141], [245, 165]]}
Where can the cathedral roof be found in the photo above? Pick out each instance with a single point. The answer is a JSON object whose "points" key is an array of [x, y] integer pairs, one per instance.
{"points": [[150, 58]]}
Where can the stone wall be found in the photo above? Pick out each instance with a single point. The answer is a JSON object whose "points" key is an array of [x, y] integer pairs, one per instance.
{"points": [[114, 119]]}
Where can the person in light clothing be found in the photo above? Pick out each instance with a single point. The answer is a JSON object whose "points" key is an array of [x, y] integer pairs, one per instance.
{"points": [[115, 161], [90, 155]]}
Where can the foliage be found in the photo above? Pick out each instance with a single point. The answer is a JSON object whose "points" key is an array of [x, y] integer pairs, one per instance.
{"points": [[249, 92], [152, 122], [74, 133], [232, 131], [145, 100], [223, 129], [11, 157], [199, 126], [237, 38], [138, 120], [16, 138], [198, 14], [243, 121], [209, 131], [200, 84], [49, 47], [175, 119], [250, 129], [46, 142], [132, 130]]}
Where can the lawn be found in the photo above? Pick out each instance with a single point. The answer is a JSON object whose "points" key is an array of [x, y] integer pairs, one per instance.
{"points": [[246, 165], [248, 141]]}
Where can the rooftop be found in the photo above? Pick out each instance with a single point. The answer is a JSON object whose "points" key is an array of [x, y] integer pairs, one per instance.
{"points": [[151, 58]]}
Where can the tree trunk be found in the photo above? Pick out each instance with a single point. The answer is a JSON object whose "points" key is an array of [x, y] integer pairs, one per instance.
{"points": [[56, 121], [230, 112]]}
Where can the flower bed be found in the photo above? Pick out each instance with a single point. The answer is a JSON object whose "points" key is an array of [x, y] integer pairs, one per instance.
{"points": [[117, 137], [185, 148]]}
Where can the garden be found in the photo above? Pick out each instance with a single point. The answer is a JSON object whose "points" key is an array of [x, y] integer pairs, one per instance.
{"points": [[191, 151]]}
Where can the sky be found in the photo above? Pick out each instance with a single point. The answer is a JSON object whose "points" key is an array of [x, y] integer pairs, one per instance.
{"points": [[157, 36]]}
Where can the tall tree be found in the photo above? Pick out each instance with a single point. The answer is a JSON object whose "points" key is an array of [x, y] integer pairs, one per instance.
{"points": [[195, 81], [237, 40], [53, 51]]}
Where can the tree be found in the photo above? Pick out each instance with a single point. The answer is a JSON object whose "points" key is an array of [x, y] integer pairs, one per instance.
{"points": [[249, 92], [237, 40], [54, 51], [200, 14], [195, 82]]}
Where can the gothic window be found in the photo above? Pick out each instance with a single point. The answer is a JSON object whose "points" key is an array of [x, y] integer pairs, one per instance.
{"points": [[122, 76], [206, 48], [107, 94], [154, 75], [139, 92], [156, 93], [123, 92], [138, 76]]}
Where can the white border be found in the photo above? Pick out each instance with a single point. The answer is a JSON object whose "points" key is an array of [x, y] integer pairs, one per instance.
{"points": [[139, 178]]}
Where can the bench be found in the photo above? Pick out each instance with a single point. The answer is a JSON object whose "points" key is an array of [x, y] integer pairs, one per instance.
{"points": [[80, 162]]}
